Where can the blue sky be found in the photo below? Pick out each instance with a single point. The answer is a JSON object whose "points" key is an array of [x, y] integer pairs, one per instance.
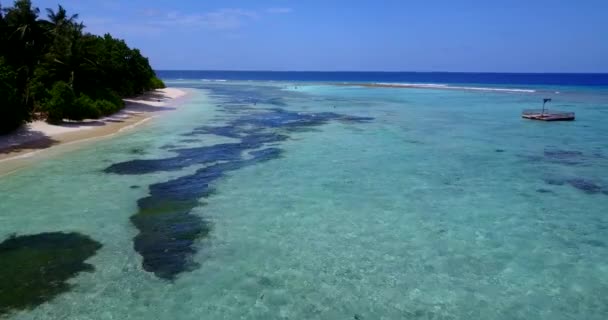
{"points": [[381, 35]]}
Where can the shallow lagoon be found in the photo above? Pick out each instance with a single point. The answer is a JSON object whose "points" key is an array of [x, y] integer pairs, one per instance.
{"points": [[372, 203]]}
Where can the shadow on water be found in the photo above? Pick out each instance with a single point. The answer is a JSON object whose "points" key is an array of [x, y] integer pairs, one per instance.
{"points": [[168, 230], [35, 268]]}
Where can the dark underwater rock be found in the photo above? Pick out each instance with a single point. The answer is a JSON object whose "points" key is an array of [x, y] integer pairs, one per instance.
{"points": [[35, 268]]}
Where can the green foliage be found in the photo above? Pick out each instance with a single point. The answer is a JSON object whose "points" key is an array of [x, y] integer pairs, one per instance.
{"points": [[107, 95], [106, 107], [85, 108], [11, 116], [156, 83], [88, 75], [60, 102]]}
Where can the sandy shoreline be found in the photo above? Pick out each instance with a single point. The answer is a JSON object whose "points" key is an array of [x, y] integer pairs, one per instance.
{"points": [[37, 138]]}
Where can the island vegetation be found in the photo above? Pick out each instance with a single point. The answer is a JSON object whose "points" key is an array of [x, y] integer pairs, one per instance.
{"points": [[50, 68]]}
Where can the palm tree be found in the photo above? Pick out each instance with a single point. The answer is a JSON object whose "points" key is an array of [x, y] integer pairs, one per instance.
{"points": [[64, 36], [3, 43], [60, 20], [25, 43], [22, 22]]}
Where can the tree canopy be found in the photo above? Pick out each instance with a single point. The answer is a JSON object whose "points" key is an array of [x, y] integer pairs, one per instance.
{"points": [[50, 68]]}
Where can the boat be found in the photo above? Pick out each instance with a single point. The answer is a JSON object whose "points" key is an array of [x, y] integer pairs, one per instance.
{"points": [[547, 115]]}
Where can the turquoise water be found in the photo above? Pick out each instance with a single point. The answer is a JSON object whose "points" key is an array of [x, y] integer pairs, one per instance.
{"points": [[399, 204]]}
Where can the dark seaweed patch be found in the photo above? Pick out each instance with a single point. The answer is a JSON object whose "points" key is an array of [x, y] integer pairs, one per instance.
{"points": [[35, 268], [168, 230], [585, 185], [354, 119], [250, 129], [554, 182], [189, 140], [566, 157], [138, 151], [562, 154], [183, 158], [595, 243], [167, 227], [224, 131]]}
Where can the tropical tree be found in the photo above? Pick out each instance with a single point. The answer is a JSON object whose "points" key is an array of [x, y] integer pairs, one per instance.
{"points": [[52, 68], [23, 44], [60, 19]]}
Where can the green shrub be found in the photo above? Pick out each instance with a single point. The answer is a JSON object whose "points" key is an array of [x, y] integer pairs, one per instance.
{"points": [[60, 102], [86, 107], [63, 104], [115, 99], [12, 114], [105, 107], [108, 95], [156, 83]]}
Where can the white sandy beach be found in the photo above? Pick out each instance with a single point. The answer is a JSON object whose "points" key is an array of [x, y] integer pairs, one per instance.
{"points": [[37, 137]]}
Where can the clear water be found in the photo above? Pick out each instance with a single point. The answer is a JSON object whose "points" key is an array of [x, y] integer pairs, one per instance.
{"points": [[554, 79], [446, 205]]}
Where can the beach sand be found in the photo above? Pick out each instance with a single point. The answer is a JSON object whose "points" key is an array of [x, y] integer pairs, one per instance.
{"points": [[39, 138]]}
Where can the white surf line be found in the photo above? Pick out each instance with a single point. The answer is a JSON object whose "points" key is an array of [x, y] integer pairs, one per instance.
{"points": [[445, 86]]}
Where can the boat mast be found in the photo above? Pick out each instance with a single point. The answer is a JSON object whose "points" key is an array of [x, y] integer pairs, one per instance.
{"points": [[545, 100]]}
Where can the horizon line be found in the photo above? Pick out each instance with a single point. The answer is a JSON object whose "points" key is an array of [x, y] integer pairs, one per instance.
{"points": [[379, 71]]}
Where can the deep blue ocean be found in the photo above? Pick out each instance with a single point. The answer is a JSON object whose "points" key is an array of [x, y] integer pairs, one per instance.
{"points": [[554, 79]]}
